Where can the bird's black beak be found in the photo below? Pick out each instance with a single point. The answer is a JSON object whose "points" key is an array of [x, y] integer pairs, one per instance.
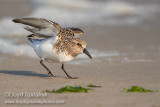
{"points": [[87, 53]]}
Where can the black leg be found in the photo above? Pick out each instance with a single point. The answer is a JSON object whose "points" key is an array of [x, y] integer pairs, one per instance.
{"points": [[67, 73], [49, 72]]}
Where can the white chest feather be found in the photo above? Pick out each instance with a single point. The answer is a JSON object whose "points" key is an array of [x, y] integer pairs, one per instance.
{"points": [[65, 58]]}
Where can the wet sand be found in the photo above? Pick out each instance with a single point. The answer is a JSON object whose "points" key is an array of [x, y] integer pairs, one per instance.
{"points": [[134, 43]]}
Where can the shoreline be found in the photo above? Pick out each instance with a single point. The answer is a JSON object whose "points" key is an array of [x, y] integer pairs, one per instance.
{"points": [[22, 74]]}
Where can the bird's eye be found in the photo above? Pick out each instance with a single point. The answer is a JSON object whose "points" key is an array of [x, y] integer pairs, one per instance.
{"points": [[78, 44]]}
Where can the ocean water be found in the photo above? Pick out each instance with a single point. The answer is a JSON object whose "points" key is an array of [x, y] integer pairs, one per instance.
{"points": [[77, 13], [85, 13]]}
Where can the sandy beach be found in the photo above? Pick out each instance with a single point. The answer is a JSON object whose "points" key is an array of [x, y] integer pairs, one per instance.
{"points": [[137, 63]]}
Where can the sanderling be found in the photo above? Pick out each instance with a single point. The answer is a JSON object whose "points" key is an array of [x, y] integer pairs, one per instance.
{"points": [[53, 43]]}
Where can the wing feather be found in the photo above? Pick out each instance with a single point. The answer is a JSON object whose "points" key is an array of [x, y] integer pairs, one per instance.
{"points": [[40, 26], [75, 30]]}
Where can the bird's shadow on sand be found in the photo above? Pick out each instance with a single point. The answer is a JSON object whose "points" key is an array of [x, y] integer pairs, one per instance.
{"points": [[24, 73]]}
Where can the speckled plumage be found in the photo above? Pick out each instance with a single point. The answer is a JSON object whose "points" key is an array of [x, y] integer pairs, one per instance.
{"points": [[69, 46], [53, 43]]}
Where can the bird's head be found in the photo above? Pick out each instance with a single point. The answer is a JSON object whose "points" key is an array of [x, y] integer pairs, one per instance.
{"points": [[79, 46]]}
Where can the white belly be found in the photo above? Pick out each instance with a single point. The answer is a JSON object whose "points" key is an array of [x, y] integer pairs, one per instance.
{"points": [[62, 58], [47, 52]]}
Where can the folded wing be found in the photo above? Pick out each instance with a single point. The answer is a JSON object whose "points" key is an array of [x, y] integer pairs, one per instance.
{"points": [[70, 32], [75, 30]]}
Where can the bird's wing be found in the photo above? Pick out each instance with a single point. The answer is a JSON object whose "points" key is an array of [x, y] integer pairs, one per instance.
{"points": [[75, 30], [70, 32], [40, 26]]}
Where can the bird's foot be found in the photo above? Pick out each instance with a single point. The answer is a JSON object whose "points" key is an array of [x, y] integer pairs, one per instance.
{"points": [[51, 75], [69, 77]]}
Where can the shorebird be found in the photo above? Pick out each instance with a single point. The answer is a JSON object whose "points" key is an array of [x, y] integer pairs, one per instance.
{"points": [[53, 43]]}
